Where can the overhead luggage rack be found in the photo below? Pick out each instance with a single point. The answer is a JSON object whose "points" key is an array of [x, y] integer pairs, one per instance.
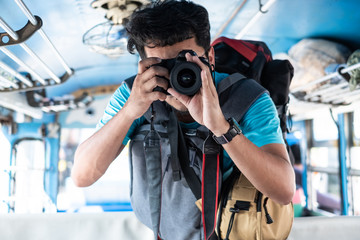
{"points": [[15, 81], [330, 92], [64, 103]]}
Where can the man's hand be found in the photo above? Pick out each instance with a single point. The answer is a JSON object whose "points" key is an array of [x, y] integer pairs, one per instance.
{"points": [[142, 94], [204, 106]]}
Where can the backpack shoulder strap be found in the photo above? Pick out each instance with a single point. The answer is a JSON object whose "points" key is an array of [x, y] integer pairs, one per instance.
{"points": [[237, 93], [130, 81], [229, 81]]}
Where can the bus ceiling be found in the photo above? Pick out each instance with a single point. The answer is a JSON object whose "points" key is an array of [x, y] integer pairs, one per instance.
{"points": [[58, 56]]}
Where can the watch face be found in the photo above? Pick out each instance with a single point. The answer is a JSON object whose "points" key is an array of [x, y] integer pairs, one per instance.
{"points": [[234, 126], [233, 131]]}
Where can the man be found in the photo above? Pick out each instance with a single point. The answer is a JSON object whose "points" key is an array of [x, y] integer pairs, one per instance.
{"points": [[159, 32]]}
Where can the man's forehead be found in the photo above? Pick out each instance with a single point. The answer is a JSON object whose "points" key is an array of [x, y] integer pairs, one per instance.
{"points": [[171, 51]]}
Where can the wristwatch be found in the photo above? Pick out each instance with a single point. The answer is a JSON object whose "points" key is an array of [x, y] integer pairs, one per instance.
{"points": [[230, 134]]}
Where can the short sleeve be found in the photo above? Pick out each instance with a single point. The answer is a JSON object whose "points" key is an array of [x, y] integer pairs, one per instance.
{"points": [[117, 101], [261, 124]]}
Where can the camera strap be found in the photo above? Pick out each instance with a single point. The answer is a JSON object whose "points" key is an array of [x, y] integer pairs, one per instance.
{"points": [[154, 174], [210, 184], [179, 155], [173, 131], [208, 189]]}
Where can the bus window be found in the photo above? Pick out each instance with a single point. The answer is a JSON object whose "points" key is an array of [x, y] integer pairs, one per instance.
{"points": [[324, 156], [356, 125], [323, 165], [324, 128], [4, 173], [354, 172], [27, 191], [109, 193], [326, 192], [355, 201]]}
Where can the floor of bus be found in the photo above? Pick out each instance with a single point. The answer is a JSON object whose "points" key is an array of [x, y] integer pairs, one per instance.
{"points": [[124, 225]]}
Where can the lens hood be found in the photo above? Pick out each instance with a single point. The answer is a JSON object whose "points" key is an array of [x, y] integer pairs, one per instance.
{"points": [[185, 77]]}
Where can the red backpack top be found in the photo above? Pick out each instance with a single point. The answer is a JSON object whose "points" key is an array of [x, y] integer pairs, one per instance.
{"points": [[254, 60]]}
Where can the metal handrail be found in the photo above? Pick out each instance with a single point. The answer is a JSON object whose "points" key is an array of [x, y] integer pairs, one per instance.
{"points": [[322, 91], [341, 94], [15, 36], [33, 20], [253, 20], [8, 29], [47, 69], [228, 21], [353, 96], [16, 74], [327, 77], [24, 65], [8, 82], [18, 38]]}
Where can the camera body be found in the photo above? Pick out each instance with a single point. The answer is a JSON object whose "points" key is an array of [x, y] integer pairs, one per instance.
{"points": [[185, 77]]}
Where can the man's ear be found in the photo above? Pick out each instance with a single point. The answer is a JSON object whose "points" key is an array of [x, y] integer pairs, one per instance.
{"points": [[211, 56]]}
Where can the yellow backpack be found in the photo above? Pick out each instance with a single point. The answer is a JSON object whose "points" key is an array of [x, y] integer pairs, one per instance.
{"points": [[245, 213]]}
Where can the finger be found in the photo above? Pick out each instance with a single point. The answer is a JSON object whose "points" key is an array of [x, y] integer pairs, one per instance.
{"points": [[206, 90], [155, 82], [153, 96], [184, 99], [211, 83], [149, 74], [146, 63], [156, 71], [196, 59], [205, 68]]}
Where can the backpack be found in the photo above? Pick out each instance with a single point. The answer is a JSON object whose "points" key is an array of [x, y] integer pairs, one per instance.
{"points": [[254, 60], [244, 213]]}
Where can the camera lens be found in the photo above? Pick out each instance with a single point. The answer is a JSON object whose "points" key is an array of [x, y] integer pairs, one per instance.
{"points": [[186, 78]]}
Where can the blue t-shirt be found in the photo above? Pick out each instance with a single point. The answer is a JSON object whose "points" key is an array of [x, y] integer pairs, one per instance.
{"points": [[260, 123]]}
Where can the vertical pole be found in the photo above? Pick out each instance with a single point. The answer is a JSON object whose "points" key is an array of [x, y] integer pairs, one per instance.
{"points": [[342, 165], [51, 164], [304, 160]]}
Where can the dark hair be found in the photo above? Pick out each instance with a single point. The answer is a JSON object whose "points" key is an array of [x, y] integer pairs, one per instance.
{"points": [[165, 23]]}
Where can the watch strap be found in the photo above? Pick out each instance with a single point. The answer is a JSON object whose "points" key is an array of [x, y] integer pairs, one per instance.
{"points": [[230, 134]]}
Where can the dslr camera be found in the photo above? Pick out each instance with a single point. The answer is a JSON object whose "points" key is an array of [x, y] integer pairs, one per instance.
{"points": [[185, 77]]}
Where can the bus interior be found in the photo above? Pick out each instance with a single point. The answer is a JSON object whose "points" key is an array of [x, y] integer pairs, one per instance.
{"points": [[60, 62]]}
